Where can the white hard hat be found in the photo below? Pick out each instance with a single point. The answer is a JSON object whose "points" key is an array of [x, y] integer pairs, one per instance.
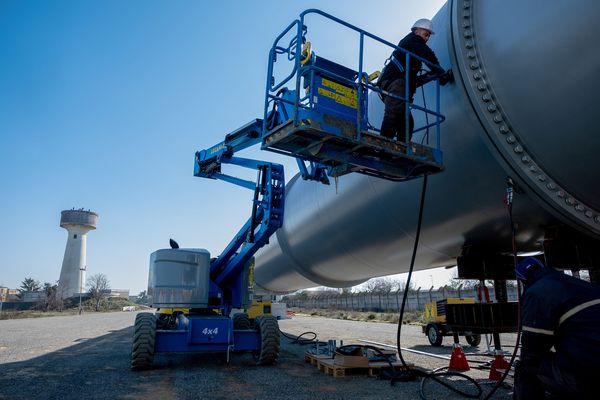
{"points": [[423, 23]]}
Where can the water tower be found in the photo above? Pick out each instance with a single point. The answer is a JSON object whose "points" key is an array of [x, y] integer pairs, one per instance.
{"points": [[72, 275]]}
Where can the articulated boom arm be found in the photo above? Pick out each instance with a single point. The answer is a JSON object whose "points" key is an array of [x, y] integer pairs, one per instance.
{"points": [[208, 162], [266, 218], [268, 203]]}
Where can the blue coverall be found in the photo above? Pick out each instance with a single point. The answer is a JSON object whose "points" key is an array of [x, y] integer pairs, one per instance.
{"points": [[560, 352]]}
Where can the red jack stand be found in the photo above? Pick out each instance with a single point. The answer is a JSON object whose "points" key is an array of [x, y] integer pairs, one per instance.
{"points": [[499, 363], [458, 361]]}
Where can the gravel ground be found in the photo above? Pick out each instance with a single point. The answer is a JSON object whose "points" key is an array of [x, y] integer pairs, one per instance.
{"points": [[88, 356]]}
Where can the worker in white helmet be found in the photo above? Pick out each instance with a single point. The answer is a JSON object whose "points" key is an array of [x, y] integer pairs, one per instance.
{"points": [[393, 78]]}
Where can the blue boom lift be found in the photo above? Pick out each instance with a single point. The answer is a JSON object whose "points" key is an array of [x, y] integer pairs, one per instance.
{"points": [[323, 123]]}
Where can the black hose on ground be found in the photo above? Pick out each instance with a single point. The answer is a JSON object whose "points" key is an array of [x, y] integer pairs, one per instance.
{"points": [[319, 347], [299, 339], [350, 347]]}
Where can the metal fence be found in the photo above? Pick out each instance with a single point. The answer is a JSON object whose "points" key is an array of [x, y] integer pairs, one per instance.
{"points": [[386, 302], [17, 305]]}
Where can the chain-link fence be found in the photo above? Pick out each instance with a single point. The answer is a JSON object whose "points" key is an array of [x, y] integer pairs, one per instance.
{"points": [[387, 302]]}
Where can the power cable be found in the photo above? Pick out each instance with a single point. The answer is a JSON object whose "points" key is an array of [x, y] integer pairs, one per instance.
{"points": [[410, 270], [408, 374], [299, 339], [425, 138], [319, 346], [351, 347], [508, 201]]}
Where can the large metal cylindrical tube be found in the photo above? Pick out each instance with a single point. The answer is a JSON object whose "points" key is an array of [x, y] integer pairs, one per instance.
{"points": [[521, 106]]}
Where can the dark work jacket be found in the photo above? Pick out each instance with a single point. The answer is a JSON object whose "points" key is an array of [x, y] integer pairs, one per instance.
{"points": [[561, 311], [416, 45]]}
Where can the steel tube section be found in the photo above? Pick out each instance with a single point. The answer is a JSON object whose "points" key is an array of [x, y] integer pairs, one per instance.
{"points": [[522, 105], [359, 86]]}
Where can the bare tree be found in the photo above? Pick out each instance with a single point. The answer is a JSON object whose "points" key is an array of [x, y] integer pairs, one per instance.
{"points": [[142, 298], [346, 291], [302, 294], [401, 285], [98, 285], [467, 284], [380, 285], [52, 300], [454, 283], [386, 285]]}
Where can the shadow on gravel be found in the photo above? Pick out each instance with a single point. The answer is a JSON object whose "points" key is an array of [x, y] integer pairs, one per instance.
{"points": [[91, 368], [98, 368], [446, 350], [442, 350]]}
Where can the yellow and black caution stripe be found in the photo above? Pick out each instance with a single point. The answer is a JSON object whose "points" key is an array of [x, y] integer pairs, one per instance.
{"points": [[339, 93]]}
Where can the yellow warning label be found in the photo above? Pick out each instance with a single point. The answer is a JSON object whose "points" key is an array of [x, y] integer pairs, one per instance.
{"points": [[429, 312], [341, 94], [341, 89], [338, 98]]}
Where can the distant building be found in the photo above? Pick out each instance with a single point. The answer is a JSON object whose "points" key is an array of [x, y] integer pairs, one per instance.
{"points": [[117, 293], [11, 299], [33, 297], [7, 294]]}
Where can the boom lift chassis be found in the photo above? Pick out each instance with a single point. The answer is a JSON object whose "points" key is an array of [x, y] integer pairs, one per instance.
{"points": [[323, 123]]}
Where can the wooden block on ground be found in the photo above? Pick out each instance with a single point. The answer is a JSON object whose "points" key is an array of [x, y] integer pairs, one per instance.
{"points": [[329, 367], [313, 359], [376, 366]]}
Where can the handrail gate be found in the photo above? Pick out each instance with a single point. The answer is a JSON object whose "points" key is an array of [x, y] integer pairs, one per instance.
{"points": [[324, 120]]}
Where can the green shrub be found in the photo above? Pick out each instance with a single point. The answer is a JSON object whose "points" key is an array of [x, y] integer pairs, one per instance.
{"points": [[107, 304]]}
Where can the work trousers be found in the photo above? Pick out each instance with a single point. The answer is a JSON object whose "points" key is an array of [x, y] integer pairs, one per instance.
{"points": [[532, 382], [394, 117]]}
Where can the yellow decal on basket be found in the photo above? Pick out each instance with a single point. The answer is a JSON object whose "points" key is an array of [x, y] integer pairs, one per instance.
{"points": [[341, 89], [338, 98]]}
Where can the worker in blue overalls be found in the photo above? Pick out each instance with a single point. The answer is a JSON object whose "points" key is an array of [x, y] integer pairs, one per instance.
{"points": [[393, 78], [560, 318]]}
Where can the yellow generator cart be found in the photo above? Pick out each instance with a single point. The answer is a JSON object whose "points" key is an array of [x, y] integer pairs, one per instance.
{"points": [[435, 322], [259, 307]]}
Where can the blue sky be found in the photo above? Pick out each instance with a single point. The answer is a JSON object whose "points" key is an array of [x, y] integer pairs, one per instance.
{"points": [[103, 104]]}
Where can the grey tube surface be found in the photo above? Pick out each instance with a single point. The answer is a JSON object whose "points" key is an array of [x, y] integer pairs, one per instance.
{"points": [[522, 105]]}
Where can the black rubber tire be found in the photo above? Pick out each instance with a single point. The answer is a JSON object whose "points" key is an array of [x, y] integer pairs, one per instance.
{"points": [[269, 340], [144, 338], [473, 340], [434, 335], [138, 316], [241, 322]]}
